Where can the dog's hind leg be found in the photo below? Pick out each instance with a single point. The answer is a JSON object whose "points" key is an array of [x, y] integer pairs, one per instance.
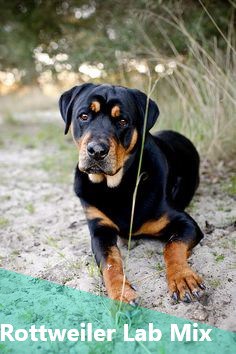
{"points": [[183, 163]]}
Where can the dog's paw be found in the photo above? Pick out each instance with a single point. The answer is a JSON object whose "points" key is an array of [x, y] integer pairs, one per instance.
{"points": [[184, 284], [123, 292]]}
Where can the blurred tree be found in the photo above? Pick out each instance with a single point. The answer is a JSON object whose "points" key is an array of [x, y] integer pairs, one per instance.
{"points": [[101, 31]]}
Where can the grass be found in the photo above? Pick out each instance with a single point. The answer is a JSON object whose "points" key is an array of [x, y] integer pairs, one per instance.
{"points": [[34, 134], [219, 257], [58, 154], [159, 267], [59, 165], [30, 208], [214, 283], [1, 142], [192, 206], [10, 119], [51, 241], [48, 197], [76, 265], [5, 198], [198, 95], [229, 244], [92, 269], [15, 253], [3, 222], [231, 186]]}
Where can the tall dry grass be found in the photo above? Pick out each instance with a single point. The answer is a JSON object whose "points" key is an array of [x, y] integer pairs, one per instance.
{"points": [[198, 97]]}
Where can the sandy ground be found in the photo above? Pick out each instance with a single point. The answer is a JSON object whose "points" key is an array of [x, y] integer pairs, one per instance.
{"points": [[44, 233]]}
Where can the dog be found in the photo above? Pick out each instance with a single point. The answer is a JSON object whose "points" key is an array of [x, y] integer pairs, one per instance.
{"points": [[108, 124]]}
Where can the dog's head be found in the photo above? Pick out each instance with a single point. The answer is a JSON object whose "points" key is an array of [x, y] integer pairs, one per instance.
{"points": [[106, 124]]}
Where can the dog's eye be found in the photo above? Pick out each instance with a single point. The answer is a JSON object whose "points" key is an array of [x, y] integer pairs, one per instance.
{"points": [[123, 123], [83, 116]]}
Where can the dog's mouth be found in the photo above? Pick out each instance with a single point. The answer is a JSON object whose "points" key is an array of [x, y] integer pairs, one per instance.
{"points": [[97, 169], [94, 169]]}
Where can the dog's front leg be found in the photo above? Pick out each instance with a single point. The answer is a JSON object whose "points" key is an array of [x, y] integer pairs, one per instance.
{"points": [[104, 245], [108, 257], [183, 282]]}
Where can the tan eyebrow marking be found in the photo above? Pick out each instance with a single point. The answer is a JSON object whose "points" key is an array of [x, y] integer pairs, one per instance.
{"points": [[115, 112], [95, 106]]}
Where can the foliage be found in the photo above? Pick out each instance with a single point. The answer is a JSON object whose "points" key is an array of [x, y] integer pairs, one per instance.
{"points": [[101, 31], [192, 42]]}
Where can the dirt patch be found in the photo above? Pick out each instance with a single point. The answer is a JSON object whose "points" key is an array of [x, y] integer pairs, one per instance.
{"points": [[44, 233]]}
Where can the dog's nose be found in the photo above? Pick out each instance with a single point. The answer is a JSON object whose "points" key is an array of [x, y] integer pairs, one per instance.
{"points": [[97, 151]]}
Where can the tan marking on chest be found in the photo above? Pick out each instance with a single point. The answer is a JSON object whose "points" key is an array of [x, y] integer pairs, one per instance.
{"points": [[114, 181], [153, 227], [94, 213], [96, 177]]}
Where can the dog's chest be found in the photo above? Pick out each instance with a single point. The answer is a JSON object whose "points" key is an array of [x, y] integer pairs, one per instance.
{"points": [[119, 207]]}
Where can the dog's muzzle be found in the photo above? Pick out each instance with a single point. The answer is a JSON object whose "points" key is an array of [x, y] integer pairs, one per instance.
{"points": [[97, 158]]}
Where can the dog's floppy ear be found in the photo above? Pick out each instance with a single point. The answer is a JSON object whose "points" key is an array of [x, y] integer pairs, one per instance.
{"points": [[66, 102], [141, 102]]}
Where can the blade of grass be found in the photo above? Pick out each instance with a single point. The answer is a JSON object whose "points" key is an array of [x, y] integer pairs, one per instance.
{"points": [[139, 175]]}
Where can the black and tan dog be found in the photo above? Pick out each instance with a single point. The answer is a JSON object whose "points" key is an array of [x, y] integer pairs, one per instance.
{"points": [[107, 126]]}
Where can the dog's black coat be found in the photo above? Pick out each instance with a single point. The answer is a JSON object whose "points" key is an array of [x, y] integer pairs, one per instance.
{"points": [[169, 174]]}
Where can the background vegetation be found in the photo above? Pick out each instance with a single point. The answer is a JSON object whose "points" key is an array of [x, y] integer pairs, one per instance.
{"points": [[189, 45]]}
